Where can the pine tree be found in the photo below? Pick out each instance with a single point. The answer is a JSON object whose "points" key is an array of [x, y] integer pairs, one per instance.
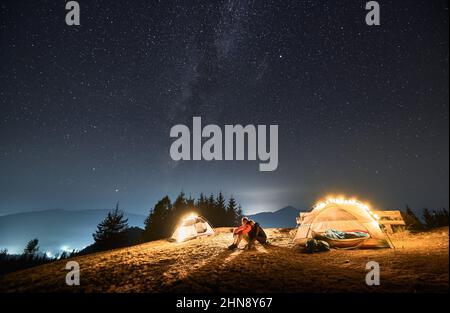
{"points": [[443, 218], [231, 212], [32, 247], [156, 226], [180, 202], [440, 218], [428, 218], [3, 255], [190, 203], [109, 231], [202, 206], [221, 210], [179, 209], [239, 215], [211, 212], [211, 202], [411, 220]]}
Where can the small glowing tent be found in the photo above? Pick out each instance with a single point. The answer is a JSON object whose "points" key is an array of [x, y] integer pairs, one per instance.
{"points": [[342, 215], [192, 226]]}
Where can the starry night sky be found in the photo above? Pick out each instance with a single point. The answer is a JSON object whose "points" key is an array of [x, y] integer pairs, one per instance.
{"points": [[86, 110]]}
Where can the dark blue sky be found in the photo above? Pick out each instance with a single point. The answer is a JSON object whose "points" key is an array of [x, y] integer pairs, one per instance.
{"points": [[86, 111]]}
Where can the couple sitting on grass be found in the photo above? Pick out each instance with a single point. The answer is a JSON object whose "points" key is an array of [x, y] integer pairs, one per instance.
{"points": [[250, 232]]}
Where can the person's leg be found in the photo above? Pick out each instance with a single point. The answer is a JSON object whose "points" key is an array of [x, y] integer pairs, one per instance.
{"points": [[237, 239], [261, 236], [247, 240], [252, 235], [262, 239], [251, 243]]}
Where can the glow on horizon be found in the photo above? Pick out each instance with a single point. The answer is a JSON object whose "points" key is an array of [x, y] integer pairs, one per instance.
{"points": [[258, 209], [65, 248]]}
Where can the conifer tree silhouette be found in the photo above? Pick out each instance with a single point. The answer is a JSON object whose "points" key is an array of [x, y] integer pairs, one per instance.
{"points": [[155, 223], [232, 217], [109, 232], [32, 247]]}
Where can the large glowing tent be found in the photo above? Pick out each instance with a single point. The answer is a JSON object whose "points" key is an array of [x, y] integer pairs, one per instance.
{"points": [[192, 226], [345, 216]]}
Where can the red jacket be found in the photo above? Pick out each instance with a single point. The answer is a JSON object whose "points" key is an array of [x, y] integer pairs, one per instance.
{"points": [[243, 229]]}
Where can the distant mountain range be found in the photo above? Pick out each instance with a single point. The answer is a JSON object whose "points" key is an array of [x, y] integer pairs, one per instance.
{"points": [[59, 230], [285, 217]]}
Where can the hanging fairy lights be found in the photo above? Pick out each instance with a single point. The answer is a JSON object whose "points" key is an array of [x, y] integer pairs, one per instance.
{"points": [[343, 201]]}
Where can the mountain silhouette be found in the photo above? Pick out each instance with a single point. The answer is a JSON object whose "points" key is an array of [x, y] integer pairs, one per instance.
{"points": [[57, 230], [284, 218]]}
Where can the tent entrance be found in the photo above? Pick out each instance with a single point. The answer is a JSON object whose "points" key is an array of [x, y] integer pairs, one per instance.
{"points": [[192, 227], [336, 218], [200, 228]]}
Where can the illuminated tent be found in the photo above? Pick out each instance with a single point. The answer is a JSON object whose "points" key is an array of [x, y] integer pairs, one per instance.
{"points": [[192, 227], [342, 215]]}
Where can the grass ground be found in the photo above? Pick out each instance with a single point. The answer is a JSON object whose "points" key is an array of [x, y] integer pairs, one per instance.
{"points": [[418, 264]]}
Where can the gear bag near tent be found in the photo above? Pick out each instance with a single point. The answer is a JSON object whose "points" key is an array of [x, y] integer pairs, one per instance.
{"points": [[340, 215], [192, 227]]}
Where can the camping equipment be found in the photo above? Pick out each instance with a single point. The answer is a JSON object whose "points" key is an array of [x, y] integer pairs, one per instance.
{"points": [[192, 226], [340, 215], [314, 245]]}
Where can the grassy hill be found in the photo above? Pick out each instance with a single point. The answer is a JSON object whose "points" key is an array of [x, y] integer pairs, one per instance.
{"points": [[419, 264]]}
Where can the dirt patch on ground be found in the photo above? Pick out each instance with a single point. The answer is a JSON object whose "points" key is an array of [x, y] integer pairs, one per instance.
{"points": [[418, 264]]}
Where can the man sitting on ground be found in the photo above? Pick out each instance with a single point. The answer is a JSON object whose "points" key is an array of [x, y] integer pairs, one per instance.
{"points": [[256, 234], [241, 233]]}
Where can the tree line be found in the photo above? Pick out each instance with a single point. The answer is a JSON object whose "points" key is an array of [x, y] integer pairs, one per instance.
{"points": [[165, 215], [113, 231], [30, 257], [430, 219]]}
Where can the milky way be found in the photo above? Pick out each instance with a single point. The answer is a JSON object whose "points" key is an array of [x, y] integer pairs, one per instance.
{"points": [[86, 110]]}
